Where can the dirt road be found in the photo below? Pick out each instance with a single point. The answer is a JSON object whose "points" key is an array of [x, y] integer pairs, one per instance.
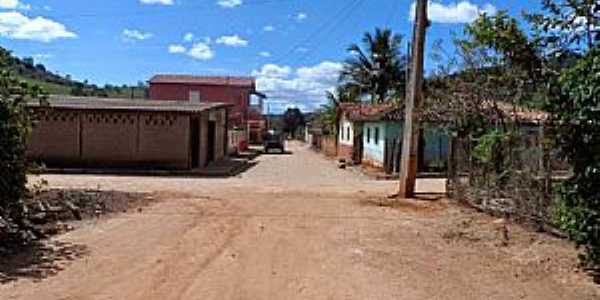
{"points": [[296, 227]]}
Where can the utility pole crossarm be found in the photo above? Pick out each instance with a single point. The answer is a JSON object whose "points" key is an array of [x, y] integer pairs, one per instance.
{"points": [[414, 96]]}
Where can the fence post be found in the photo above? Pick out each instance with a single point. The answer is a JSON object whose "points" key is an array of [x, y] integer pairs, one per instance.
{"points": [[451, 184], [546, 165]]}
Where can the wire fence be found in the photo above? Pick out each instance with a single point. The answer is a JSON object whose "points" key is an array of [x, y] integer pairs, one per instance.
{"points": [[515, 180]]}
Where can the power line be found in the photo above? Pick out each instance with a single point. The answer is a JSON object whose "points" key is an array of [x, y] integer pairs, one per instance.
{"points": [[332, 29], [163, 11], [315, 33]]}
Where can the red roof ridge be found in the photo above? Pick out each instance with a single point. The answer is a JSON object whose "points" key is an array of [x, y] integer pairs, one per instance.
{"points": [[201, 79]]}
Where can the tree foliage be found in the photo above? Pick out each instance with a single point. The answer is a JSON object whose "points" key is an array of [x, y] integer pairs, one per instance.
{"points": [[329, 113], [576, 108], [378, 68], [293, 119], [564, 26], [15, 125]]}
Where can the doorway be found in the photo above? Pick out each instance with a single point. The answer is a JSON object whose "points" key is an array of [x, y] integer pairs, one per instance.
{"points": [[195, 142], [212, 126]]}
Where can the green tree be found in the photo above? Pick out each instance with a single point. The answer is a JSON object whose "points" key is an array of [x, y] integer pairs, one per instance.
{"points": [[564, 26], [293, 119], [378, 68], [504, 43], [576, 109], [329, 113], [15, 124]]}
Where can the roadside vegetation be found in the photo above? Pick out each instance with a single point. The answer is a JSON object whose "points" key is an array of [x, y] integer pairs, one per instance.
{"points": [[496, 74], [15, 126]]}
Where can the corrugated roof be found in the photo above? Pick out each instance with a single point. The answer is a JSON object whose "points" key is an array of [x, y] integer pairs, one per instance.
{"points": [[95, 103], [204, 80]]}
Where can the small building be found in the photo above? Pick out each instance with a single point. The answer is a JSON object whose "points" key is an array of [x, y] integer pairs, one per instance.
{"points": [[350, 131], [239, 92], [119, 133], [382, 142], [371, 135]]}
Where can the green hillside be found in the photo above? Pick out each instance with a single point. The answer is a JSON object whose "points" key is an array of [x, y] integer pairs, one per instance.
{"points": [[27, 70]]}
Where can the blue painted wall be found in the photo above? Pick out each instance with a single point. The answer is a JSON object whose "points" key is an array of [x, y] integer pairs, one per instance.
{"points": [[373, 150], [436, 143]]}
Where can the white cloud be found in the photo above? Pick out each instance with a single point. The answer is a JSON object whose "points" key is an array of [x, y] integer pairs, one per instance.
{"points": [[324, 71], [273, 71], [230, 3], [304, 87], [301, 50], [201, 51], [160, 2], [268, 28], [14, 25], [265, 54], [188, 37], [462, 12], [134, 34], [177, 49], [232, 40], [42, 56], [14, 4], [300, 16]]}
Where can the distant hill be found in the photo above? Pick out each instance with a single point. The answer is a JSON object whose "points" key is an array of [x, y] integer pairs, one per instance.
{"points": [[26, 69]]}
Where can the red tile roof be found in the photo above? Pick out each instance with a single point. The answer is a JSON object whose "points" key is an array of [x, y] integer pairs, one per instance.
{"points": [[366, 112], [205, 80]]}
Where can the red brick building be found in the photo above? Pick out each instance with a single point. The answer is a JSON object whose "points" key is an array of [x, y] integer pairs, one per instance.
{"points": [[237, 91], [119, 133]]}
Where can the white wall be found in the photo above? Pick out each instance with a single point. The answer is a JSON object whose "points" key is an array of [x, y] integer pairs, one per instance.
{"points": [[345, 128]]}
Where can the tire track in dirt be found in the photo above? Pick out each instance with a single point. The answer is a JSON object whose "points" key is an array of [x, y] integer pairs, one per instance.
{"points": [[198, 247]]}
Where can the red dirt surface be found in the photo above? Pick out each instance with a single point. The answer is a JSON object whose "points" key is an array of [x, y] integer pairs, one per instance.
{"points": [[297, 227]]}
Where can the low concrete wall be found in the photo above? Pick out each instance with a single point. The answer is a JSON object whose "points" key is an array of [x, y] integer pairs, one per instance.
{"points": [[106, 139], [328, 146]]}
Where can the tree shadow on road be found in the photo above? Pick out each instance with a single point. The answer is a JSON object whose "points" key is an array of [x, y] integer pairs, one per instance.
{"points": [[39, 261]]}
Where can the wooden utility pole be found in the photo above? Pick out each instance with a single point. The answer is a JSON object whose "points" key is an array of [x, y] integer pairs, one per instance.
{"points": [[410, 142]]}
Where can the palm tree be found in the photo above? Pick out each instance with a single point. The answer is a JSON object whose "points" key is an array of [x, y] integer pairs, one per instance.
{"points": [[329, 114], [378, 69]]}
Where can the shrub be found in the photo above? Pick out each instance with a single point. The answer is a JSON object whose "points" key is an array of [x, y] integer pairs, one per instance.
{"points": [[577, 113], [15, 126]]}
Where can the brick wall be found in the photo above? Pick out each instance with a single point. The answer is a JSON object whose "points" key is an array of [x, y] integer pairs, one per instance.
{"points": [[163, 140], [61, 131], [345, 152], [73, 138], [109, 137], [70, 138]]}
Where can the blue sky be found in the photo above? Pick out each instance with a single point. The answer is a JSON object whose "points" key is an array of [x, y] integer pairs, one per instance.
{"points": [[293, 47]]}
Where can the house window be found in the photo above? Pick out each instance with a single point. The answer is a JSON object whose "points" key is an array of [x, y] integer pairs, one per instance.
{"points": [[195, 96], [368, 135], [376, 135]]}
